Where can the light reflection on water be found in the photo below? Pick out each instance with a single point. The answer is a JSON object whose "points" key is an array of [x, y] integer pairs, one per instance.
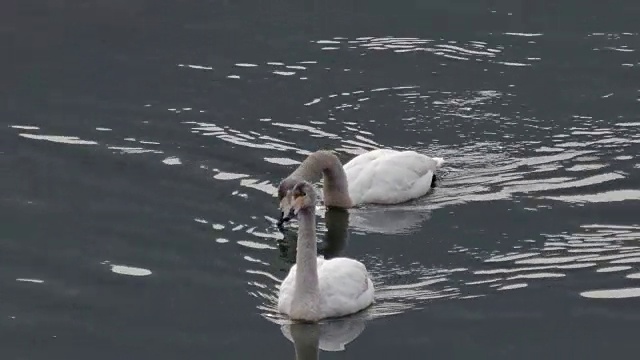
{"points": [[597, 248], [477, 50], [493, 153], [474, 173], [327, 336]]}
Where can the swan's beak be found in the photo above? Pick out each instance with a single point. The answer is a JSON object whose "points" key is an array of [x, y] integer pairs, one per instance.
{"points": [[282, 219], [290, 209], [290, 215], [286, 211]]}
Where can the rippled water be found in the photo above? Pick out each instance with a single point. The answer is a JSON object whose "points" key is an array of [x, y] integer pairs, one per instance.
{"points": [[139, 199]]}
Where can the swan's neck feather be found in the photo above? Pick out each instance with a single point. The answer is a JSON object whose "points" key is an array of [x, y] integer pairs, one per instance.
{"points": [[307, 291], [335, 184]]}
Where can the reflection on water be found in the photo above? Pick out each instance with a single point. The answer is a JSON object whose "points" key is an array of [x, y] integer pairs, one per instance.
{"points": [[479, 167], [392, 296], [500, 156], [522, 128], [598, 248], [389, 219], [337, 233], [335, 229], [331, 335], [128, 270], [612, 293], [472, 50], [35, 281], [71, 140]]}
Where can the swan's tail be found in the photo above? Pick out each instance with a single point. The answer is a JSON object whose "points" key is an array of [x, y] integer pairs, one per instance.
{"points": [[439, 161]]}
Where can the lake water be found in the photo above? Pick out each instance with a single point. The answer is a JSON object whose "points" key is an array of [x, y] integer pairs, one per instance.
{"points": [[141, 142]]}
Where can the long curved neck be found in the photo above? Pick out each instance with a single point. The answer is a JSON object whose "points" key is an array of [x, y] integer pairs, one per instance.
{"points": [[335, 185], [306, 256]]}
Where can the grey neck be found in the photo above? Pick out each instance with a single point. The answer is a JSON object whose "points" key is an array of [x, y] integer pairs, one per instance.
{"points": [[335, 186], [306, 256]]}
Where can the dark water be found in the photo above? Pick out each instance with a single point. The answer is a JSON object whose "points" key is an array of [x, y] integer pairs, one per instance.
{"points": [[141, 141]]}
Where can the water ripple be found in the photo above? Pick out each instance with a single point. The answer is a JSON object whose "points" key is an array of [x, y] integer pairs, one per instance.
{"points": [[612, 293], [599, 246], [496, 149], [393, 296], [71, 140], [500, 154]]}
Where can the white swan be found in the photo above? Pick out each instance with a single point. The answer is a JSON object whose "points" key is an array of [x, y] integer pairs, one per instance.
{"points": [[316, 288], [381, 176]]}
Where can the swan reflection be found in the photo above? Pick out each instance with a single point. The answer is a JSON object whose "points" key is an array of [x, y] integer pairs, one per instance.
{"points": [[389, 219], [370, 219], [333, 335], [334, 243], [337, 235]]}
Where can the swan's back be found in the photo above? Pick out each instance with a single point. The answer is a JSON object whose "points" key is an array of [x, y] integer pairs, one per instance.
{"points": [[386, 176], [364, 159], [345, 287]]}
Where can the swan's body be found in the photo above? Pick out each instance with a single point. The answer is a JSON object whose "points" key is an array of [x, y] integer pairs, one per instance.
{"points": [[316, 288], [387, 176], [344, 288], [381, 176]]}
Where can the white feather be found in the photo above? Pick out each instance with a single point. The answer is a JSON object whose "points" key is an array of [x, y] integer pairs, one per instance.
{"points": [[387, 176], [345, 288]]}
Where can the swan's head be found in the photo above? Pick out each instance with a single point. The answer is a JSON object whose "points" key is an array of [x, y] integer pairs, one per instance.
{"points": [[285, 199], [304, 197], [295, 196]]}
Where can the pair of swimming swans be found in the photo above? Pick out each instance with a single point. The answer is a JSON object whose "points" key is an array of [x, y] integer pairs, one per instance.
{"points": [[316, 288]]}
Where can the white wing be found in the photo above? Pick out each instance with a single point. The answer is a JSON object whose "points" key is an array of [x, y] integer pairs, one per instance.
{"points": [[390, 177], [345, 286]]}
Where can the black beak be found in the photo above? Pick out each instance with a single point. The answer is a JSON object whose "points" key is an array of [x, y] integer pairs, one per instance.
{"points": [[283, 219]]}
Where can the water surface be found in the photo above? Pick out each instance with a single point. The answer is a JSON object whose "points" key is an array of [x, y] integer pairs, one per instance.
{"points": [[143, 141]]}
